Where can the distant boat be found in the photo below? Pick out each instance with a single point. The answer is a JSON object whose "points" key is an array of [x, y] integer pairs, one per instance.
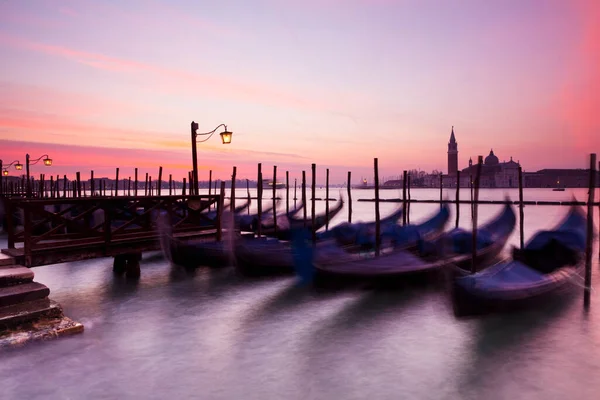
{"points": [[269, 183], [558, 188]]}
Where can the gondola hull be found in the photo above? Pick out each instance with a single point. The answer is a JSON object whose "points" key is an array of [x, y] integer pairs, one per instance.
{"points": [[545, 268]]}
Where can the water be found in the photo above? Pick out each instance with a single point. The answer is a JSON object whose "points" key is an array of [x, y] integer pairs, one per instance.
{"points": [[214, 335]]}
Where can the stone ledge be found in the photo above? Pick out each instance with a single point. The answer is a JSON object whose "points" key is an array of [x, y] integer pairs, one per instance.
{"points": [[22, 293], [19, 314], [14, 274], [41, 330]]}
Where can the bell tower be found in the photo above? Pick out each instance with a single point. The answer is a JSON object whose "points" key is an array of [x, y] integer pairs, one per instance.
{"points": [[452, 154]]}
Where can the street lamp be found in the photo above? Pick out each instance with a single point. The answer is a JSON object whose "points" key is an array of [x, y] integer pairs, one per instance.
{"points": [[225, 138], [47, 163], [16, 163]]}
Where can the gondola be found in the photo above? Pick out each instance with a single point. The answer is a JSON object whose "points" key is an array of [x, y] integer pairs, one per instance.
{"points": [[400, 261], [264, 256], [271, 256], [289, 222], [548, 263], [360, 233], [192, 253]]}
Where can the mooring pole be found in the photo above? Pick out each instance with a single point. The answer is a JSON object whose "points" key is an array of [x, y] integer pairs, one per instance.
{"points": [[327, 199], [135, 183], [313, 190], [248, 194], [209, 187], [304, 205], [377, 219], [287, 192], [476, 197], [590, 233], [274, 201], [259, 198], [441, 186], [349, 198], [408, 201], [457, 198], [521, 214], [295, 190], [404, 182], [159, 187], [232, 200]]}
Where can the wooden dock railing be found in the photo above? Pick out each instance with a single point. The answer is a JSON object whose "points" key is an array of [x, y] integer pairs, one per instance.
{"points": [[100, 226]]}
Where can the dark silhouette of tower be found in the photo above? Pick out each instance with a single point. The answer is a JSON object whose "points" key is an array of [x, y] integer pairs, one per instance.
{"points": [[452, 154]]}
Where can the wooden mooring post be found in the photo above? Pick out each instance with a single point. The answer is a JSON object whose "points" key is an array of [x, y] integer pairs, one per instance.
{"points": [[129, 186], [146, 186], [78, 176], [590, 233], [209, 185], [287, 192], [312, 210], [408, 204], [248, 192], [441, 188], [92, 184], [327, 199], [476, 198], [159, 187], [521, 214], [457, 198], [220, 206], [304, 205], [295, 192], [404, 179], [349, 197], [233, 178], [135, 184], [377, 216], [274, 193], [259, 198], [117, 183]]}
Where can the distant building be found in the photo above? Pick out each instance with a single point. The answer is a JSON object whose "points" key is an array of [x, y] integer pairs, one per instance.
{"points": [[452, 154], [494, 174], [553, 178]]}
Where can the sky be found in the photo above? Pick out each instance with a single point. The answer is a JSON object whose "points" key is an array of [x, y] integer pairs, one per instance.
{"points": [[115, 83]]}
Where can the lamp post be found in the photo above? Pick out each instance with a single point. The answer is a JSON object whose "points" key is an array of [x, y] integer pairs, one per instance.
{"points": [[18, 166], [225, 138], [47, 163]]}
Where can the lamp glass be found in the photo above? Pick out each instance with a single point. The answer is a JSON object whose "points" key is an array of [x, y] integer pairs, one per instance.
{"points": [[18, 166], [47, 162], [5, 172], [226, 137]]}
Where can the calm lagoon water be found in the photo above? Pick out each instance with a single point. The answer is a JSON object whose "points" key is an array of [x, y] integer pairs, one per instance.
{"points": [[214, 335]]}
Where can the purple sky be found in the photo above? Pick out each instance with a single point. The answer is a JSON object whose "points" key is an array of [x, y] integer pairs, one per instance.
{"points": [[332, 82]]}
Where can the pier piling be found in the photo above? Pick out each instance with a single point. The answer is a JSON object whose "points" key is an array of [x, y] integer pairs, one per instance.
{"points": [[327, 199], [590, 233], [349, 197], [377, 216], [313, 189], [521, 214], [476, 198]]}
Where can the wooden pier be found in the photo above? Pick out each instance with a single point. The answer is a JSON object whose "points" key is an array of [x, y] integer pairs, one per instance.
{"points": [[50, 231]]}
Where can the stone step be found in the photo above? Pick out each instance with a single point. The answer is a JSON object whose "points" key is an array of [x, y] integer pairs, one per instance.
{"points": [[14, 274], [6, 259], [22, 293], [11, 317]]}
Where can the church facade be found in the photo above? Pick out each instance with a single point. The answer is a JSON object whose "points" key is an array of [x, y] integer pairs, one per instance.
{"points": [[494, 174]]}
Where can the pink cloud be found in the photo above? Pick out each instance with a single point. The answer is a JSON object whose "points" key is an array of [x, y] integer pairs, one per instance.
{"points": [[182, 80]]}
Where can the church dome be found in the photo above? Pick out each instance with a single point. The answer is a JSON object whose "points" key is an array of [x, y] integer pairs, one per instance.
{"points": [[491, 159]]}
